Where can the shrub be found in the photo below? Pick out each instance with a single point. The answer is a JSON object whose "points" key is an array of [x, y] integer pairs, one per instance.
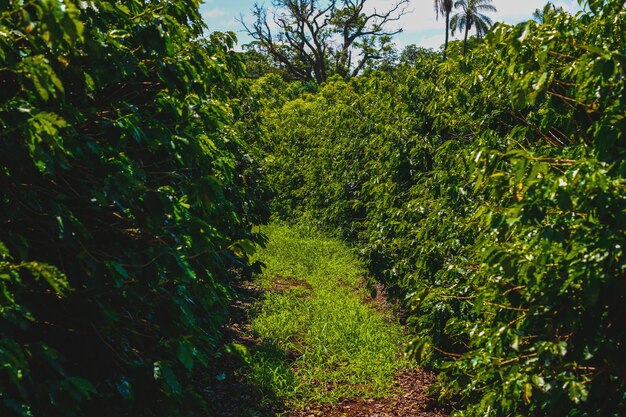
{"points": [[125, 207]]}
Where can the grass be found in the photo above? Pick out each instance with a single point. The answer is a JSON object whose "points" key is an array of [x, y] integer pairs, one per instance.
{"points": [[322, 341]]}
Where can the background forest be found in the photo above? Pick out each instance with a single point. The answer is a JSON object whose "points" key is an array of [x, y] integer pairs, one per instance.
{"points": [[483, 188]]}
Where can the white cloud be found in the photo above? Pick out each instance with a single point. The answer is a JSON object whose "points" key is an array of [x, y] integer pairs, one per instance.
{"points": [[433, 42], [512, 11], [213, 13]]}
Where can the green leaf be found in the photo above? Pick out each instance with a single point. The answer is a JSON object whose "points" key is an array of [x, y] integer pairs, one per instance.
{"points": [[51, 274], [171, 380], [186, 354]]}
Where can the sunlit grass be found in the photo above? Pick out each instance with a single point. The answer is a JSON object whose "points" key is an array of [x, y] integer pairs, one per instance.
{"points": [[334, 344]]}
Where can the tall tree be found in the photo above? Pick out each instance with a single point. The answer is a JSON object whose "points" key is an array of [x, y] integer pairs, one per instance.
{"points": [[472, 14], [540, 14], [444, 8], [312, 39]]}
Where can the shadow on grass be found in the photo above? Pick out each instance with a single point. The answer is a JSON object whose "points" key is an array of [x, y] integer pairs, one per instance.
{"points": [[247, 377]]}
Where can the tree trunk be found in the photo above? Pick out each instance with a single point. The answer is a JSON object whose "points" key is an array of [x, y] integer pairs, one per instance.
{"points": [[445, 46], [319, 70], [467, 28]]}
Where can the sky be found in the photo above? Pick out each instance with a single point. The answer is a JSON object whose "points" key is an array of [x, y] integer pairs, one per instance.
{"points": [[419, 25]]}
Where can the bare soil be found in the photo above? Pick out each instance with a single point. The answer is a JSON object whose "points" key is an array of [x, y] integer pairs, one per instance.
{"points": [[283, 284], [412, 401], [228, 392]]}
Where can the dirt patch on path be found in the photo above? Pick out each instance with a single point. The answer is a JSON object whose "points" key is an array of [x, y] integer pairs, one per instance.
{"points": [[412, 401], [282, 284]]}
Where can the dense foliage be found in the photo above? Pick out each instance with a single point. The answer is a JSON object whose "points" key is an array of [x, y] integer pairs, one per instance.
{"points": [[126, 200], [486, 190], [489, 192]]}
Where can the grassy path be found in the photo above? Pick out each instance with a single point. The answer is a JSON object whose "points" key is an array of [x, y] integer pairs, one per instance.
{"points": [[314, 311], [307, 340], [317, 343]]}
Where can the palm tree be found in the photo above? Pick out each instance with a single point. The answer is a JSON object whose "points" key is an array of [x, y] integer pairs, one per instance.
{"points": [[540, 14], [444, 8], [472, 15]]}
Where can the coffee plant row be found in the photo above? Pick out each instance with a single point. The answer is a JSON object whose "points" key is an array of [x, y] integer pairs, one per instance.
{"points": [[489, 192], [127, 195]]}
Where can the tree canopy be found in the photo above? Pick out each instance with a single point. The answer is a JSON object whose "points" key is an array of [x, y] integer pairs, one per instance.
{"points": [[471, 14], [314, 39]]}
